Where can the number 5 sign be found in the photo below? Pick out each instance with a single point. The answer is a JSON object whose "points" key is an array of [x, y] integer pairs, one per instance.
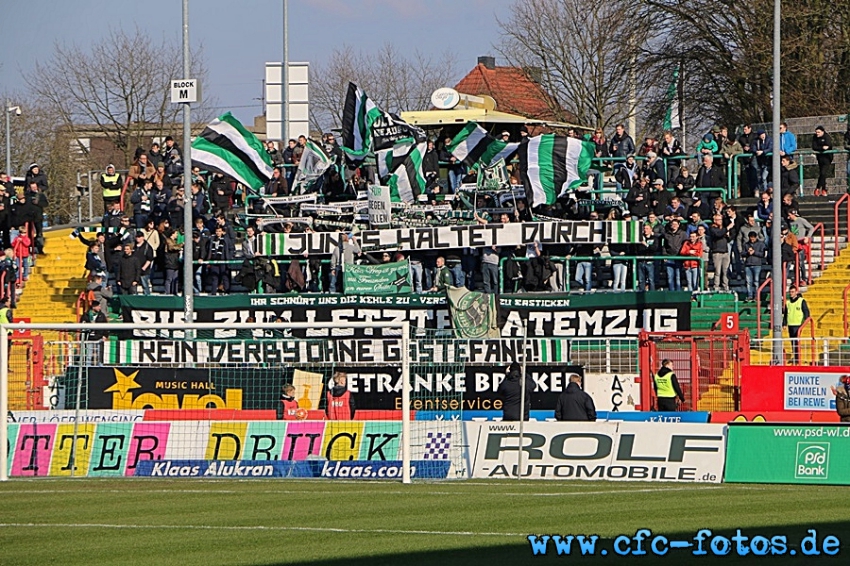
{"points": [[729, 322]]}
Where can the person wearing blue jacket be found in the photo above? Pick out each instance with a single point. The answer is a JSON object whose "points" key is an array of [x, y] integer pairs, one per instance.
{"points": [[787, 141]]}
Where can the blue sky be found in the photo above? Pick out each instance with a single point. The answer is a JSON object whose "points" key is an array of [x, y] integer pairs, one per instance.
{"points": [[239, 36]]}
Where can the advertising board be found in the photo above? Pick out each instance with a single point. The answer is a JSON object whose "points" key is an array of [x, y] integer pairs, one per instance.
{"points": [[788, 453], [602, 450]]}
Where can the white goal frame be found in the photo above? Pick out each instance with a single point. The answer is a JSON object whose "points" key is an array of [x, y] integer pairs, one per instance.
{"points": [[403, 327]]}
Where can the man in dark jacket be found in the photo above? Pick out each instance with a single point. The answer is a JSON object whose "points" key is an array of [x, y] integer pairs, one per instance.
{"points": [[431, 163], [510, 391], [667, 387], [36, 203], [639, 199], [574, 404], [129, 271], [621, 144], [842, 398], [821, 143], [719, 236], [220, 248], [674, 237], [709, 176], [221, 191], [37, 176]]}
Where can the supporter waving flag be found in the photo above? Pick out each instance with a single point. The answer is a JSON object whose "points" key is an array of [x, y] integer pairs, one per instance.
{"points": [[366, 128], [401, 168], [550, 165], [474, 145], [225, 146], [314, 162]]}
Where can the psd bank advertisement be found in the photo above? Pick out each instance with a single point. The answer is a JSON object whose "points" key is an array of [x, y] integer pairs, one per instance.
{"points": [[629, 451]]}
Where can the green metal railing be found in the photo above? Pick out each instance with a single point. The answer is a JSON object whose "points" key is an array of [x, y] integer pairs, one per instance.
{"points": [[632, 259]]}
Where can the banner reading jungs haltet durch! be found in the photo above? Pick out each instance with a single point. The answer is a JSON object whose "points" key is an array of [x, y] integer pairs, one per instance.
{"points": [[627, 451], [788, 453]]}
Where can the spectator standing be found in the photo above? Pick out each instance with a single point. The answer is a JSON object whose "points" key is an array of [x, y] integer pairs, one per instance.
{"points": [[129, 271], [795, 313], [692, 248], [719, 237], [674, 237], [787, 141], [36, 203], [649, 246], [172, 263], [340, 403], [804, 231], [762, 149], [667, 388], [220, 249], [21, 245], [510, 392], [443, 277], [140, 170], [747, 140], [671, 151], [710, 177], [112, 183], [289, 164], [789, 176], [574, 404], [456, 169], [98, 291], [273, 153], [7, 317], [754, 254], [821, 143], [622, 144], [37, 176], [221, 193], [145, 255], [141, 201]]}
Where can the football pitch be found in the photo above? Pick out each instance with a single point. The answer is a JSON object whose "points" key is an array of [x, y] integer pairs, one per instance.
{"points": [[360, 523]]}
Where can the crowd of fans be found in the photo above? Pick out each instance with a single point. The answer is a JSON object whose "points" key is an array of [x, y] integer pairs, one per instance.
{"points": [[688, 230]]}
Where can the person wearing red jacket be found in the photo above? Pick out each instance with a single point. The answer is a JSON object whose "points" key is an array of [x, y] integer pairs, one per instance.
{"points": [[21, 245], [692, 248], [340, 405]]}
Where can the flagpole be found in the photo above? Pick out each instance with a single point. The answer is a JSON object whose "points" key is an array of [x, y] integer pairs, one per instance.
{"points": [[680, 92], [188, 271], [284, 79]]}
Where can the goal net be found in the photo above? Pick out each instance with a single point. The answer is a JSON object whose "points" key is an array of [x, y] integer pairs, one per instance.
{"points": [[250, 400]]}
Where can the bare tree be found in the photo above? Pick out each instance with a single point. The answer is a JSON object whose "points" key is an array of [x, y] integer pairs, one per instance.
{"points": [[394, 81], [583, 50], [726, 52], [119, 88]]}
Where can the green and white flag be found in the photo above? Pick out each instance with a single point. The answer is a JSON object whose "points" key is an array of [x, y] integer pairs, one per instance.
{"points": [[473, 145], [366, 128], [227, 147], [314, 163], [673, 117], [400, 168], [550, 165], [381, 279], [474, 314]]}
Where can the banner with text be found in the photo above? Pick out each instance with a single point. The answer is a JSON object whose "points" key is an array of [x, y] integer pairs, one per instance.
{"points": [[788, 453], [464, 236], [625, 451], [610, 315], [379, 279], [232, 449]]}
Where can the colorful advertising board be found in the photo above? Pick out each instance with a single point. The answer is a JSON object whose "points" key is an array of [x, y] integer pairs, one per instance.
{"points": [[624, 451], [369, 449], [788, 453]]}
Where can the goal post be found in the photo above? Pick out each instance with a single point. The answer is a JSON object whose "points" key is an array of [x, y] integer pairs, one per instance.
{"points": [[168, 400]]}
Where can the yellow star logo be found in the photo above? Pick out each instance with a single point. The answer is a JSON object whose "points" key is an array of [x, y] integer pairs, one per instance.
{"points": [[123, 383]]}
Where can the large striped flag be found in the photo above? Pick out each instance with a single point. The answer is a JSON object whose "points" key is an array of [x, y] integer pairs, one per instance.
{"points": [[551, 164], [367, 129], [474, 145], [227, 147], [314, 162], [401, 169]]}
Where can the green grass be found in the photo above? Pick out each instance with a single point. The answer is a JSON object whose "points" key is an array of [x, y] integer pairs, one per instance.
{"points": [[262, 522]]}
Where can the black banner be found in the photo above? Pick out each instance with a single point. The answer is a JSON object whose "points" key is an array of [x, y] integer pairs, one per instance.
{"points": [[450, 387]]}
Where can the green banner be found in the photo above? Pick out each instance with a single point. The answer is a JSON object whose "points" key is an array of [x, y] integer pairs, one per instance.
{"points": [[380, 279], [788, 453]]}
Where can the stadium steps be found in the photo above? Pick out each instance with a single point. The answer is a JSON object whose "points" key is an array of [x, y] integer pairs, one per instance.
{"points": [[55, 282]]}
